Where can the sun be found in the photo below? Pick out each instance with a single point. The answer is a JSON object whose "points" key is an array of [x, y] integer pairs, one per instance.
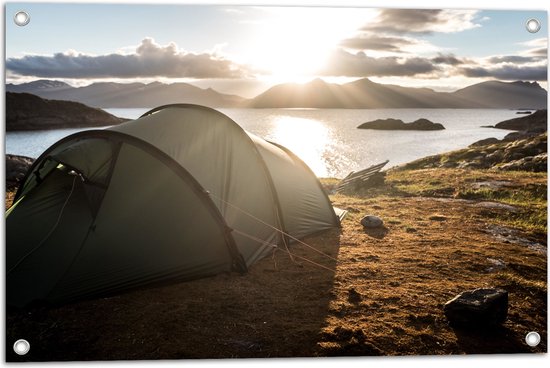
{"points": [[291, 52], [294, 43]]}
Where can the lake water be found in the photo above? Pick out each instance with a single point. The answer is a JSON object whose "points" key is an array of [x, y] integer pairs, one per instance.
{"points": [[328, 139]]}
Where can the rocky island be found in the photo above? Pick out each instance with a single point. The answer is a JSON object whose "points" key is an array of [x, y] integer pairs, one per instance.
{"points": [[398, 124]]}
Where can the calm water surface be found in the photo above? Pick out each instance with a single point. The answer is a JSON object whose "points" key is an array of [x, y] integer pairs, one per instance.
{"points": [[327, 139]]}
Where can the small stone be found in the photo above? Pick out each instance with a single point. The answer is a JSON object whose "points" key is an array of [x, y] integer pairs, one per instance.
{"points": [[354, 296], [477, 308], [371, 221], [438, 218]]}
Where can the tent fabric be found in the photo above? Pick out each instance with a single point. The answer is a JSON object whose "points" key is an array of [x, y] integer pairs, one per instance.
{"points": [[181, 193]]}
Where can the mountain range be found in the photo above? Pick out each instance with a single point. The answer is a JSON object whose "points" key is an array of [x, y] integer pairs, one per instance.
{"points": [[366, 94], [127, 95], [359, 94]]}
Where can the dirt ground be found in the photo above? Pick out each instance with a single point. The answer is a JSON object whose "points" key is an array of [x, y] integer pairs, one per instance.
{"points": [[375, 292]]}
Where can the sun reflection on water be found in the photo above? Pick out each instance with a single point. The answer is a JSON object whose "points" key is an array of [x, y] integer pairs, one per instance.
{"points": [[307, 138]]}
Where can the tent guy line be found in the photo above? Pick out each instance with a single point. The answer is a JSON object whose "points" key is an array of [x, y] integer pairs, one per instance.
{"points": [[274, 228], [276, 247]]}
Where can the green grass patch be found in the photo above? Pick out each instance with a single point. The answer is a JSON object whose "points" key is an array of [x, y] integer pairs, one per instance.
{"points": [[527, 191], [532, 220]]}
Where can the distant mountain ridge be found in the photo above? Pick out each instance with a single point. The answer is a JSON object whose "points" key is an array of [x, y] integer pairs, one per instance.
{"points": [[359, 94], [127, 95], [366, 94]]}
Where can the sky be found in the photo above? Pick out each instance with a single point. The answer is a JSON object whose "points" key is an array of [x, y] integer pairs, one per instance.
{"points": [[246, 49]]}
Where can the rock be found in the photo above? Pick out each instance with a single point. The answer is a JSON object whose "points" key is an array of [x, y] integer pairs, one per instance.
{"points": [[354, 296], [371, 221], [484, 142], [536, 163], [469, 165], [498, 206], [513, 155], [496, 265], [515, 136], [491, 184], [397, 124], [477, 308], [527, 153], [513, 236], [494, 157], [16, 168]]}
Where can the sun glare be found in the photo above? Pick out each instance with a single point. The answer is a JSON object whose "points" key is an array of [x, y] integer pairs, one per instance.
{"points": [[293, 43], [291, 132]]}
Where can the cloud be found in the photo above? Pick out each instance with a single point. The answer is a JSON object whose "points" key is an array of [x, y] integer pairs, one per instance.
{"points": [[149, 59], [378, 43], [530, 64], [515, 59], [423, 21], [542, 52], [536, 42], [507, 72], [343, 63], [448, 59], [501, 67], [537, 47]]}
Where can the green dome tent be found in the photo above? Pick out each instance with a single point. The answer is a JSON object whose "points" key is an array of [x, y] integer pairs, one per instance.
{"points": [[181, 193]]}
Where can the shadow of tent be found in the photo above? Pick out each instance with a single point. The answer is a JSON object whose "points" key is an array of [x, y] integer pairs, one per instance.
{"points": [[278, 309], [495, 340]]}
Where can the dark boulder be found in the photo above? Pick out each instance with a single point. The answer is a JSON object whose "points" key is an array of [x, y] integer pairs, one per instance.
{"points": [[477, 308], [371, 221], [16, 168]]}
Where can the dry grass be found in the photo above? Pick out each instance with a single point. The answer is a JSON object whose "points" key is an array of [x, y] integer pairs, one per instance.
{"points": [[9, 199], [383, 295]]}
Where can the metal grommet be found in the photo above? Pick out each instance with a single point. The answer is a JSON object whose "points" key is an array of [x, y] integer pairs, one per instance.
{"points": [[532, 339], [532, 25], [21, 347], [21, 18]]}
